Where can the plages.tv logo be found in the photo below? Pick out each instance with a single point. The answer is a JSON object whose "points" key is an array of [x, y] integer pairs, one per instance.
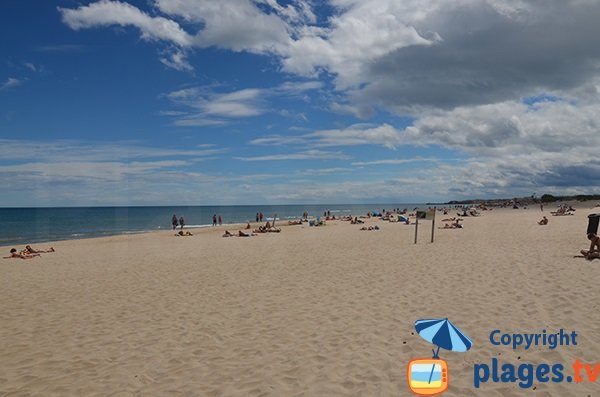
{"points": [[430, 376]]}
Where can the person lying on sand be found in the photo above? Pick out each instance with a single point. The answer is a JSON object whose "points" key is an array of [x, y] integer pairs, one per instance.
{"points": [[298, 222], [183, 234], [589, 255], [594, 251], [370, 228], [239, 234], [30, 250], [267, 228], [453, 225], [20, 255], [544, 221]]}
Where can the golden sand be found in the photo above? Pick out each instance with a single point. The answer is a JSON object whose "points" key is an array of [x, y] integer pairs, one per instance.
{"points": [[325, 311]]}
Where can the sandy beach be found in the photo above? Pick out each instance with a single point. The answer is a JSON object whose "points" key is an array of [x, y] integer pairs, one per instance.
{"points": [[310, 311]]}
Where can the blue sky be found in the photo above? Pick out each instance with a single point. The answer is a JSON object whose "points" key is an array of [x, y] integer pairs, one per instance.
{"points": [[162, 102]]}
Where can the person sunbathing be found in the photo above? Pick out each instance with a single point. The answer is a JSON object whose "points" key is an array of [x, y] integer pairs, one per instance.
{"points": [[20, 255], [182, 234], [268, 228], [30, 250], [589, 255], [298, 222], [594, 251], [239, 234], [453, 225], [370, 228], [544, 221]]}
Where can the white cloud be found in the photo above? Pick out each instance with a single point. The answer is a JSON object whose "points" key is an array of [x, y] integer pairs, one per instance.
{"points": [[399, 55], [325, 171], [176, 59], [360, 33], [106, 13], [360, 134], [30, 66], [357, 134], [11, 82], [394, 161], [56, 151], [207, 106], [305, 155]]}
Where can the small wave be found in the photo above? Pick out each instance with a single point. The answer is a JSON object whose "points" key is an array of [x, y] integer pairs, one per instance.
{"points": [[196, 226]]}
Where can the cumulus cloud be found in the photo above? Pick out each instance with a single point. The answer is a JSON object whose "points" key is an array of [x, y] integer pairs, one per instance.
{"points": [[106, 13], [488, 52], [460, 68], [402, 56]]}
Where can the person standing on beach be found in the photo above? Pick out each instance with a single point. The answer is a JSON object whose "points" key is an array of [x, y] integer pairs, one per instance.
{"points": [[214, 219], [220, 220], [181, 222], [542, 207], [174, 221], [257, 217], [260, 216]]}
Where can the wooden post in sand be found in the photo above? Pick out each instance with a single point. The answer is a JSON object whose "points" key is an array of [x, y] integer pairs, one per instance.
{"points": [[429, 214], [433, 224], [416, 227]]}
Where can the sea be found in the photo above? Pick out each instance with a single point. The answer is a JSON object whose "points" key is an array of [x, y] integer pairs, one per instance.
{"points": [[34, 225]]}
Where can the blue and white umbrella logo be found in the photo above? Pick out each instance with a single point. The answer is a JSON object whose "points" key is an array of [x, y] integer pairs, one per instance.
{"points": [[443, 334]]}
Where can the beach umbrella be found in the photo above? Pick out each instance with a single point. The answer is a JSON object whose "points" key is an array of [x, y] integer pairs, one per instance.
{"points": [[442, 333]]}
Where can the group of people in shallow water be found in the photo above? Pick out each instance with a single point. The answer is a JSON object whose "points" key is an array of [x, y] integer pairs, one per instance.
{"points": [[177, 222], [27, 253]]}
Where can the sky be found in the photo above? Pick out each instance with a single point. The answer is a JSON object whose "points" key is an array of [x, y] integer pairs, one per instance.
{"points": [[203, 102]]}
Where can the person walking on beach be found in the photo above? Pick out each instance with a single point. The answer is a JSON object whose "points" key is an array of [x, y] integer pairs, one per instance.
{"points": [[174, 221], [214, 219], [181, 222], [220, 220]]}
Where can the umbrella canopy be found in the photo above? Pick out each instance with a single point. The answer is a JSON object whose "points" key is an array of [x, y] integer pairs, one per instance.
{"points": [[442, 333]]}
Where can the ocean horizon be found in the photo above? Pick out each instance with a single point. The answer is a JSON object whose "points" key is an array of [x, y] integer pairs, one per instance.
{"points": [[44, 224]]}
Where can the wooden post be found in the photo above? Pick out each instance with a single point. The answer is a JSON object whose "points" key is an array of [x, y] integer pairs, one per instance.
{"points": [[416, 228], [433, 224]]}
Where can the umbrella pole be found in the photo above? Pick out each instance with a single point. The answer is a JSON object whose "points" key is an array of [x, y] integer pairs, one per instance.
{"points": [[435, 355]]}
